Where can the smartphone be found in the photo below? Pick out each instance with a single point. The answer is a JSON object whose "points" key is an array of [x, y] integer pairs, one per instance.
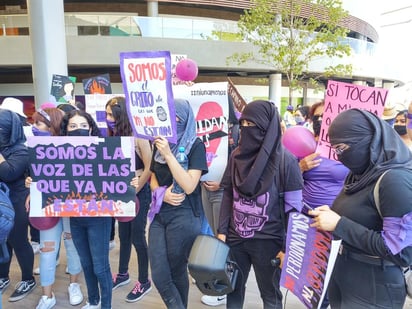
{"points": [[306, 208]]}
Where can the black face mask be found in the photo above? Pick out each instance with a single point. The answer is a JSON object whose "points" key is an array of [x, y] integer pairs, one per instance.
{"points": [[357, 157], [316, 124], [79, 132], [401, 130]]}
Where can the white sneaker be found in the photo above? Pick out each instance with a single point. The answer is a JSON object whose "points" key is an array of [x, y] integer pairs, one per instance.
{"points": [[213, 300], [88, 306], [36, 247], [46, 303], [75, 294]]}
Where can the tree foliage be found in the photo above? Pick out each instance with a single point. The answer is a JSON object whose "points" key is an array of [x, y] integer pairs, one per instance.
{"points": [[289, 43]]}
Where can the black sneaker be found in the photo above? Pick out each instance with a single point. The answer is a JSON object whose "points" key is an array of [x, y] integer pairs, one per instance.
{"points": [[120, 279], [23, 288], [138, 291], [4, 283]]}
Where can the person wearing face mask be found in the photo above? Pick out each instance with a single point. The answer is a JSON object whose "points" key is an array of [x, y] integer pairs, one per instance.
{"points": [[175, 218], [48, 123], [132, 232], [401, 129], [302, 116], [375, 246], [91, 234], [251, 214]]}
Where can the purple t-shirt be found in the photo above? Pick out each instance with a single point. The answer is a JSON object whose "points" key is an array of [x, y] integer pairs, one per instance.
{"points": [[322, 183]]}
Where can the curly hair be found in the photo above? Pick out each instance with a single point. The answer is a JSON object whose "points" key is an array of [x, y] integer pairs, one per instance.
{"points": [[95, 131]]}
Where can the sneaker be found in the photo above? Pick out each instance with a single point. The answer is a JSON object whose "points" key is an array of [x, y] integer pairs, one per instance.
{"points": [[88, 306], [112, 245], [4, 283], [46, 303], [36, 247], [139, 291], [75, 294], [213, 301], [120, 279], [23, 288], [67, 270]]}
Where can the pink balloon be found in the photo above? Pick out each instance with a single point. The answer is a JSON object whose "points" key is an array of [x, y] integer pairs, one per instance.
{"points": [[128, 219], [186, 70], [43, 223], [299, 141]]}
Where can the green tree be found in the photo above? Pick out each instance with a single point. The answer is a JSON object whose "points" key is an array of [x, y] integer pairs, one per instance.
{"points": [[290, 34]]}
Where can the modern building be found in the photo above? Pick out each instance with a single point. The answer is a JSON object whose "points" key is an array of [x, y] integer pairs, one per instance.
{"points": [[96, 31]]}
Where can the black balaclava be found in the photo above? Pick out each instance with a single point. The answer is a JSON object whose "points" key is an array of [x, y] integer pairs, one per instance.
{"points": [[374, 147], [258, 154]]}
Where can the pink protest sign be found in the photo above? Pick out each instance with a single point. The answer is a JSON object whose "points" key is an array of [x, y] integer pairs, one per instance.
{"points": [[341, 96]]}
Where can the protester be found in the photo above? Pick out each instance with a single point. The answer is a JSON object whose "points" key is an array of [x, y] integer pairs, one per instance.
{"points": [[178, 221], [368, 270], [14, 164], [401, 129], [252, 218], [50, 239], [132, 232], [91, 234], [17, 106], [302, 115], [288, 117]]}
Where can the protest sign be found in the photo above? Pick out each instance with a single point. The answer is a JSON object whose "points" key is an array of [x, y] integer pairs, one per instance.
{"points": [[97, 84], [341, 96], [81, 176], [209, 102], [62, 89], [147, 84], [238, 100], [309, 259]]}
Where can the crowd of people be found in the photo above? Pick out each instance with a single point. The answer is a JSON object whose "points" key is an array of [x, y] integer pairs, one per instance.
{"points": [[246, 208]]}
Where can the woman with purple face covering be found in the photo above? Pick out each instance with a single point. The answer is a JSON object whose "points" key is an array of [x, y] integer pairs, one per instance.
{"points": [[368, 271], [251, 216]]}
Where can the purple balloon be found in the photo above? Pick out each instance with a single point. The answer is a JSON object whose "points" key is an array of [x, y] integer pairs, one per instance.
{"points": [[299, 141], [186, 70], [43, 223]]}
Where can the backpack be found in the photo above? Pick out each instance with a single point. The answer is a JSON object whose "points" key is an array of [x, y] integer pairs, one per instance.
{"points": [[6, 221], [407, 272]]}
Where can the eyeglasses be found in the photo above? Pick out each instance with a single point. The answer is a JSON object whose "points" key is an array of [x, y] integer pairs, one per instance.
{"points": [[340, 148]]}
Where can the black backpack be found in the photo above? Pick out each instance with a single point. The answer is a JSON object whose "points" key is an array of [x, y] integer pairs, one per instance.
{"points": [[6, 221]]}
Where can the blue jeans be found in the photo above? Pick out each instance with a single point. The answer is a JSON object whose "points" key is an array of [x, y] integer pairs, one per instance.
{"points": [[259, 253], [134, 232], [91, 237], [48, 258], [171, 236]]}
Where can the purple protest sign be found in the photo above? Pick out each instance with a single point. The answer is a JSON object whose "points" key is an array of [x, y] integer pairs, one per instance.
{"points": [[147, 84], [307, 263]]}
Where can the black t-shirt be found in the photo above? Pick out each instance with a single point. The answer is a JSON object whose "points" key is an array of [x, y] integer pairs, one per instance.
{"points": [[258, 218], [361, 225], [197, 161]]}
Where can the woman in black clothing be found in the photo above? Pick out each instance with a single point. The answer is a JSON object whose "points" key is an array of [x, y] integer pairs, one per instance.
{"points": [[14, 163], [251, 215], [375, 247]]}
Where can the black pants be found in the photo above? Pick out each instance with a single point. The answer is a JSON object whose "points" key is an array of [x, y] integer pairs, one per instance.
{"points": [[359, 285], [259, 253]]}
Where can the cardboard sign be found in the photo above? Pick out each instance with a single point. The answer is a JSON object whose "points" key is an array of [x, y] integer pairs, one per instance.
{"points": [[81, 176]]}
